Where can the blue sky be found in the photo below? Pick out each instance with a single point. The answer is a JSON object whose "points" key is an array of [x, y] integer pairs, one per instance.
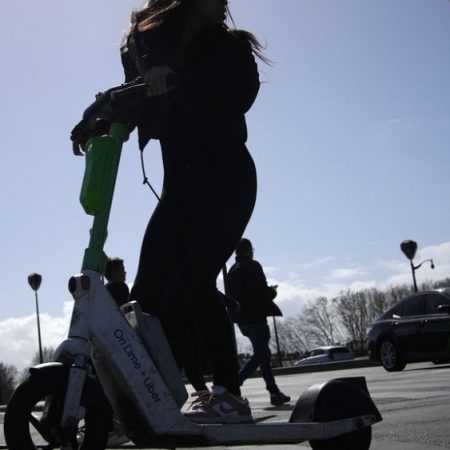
{"points": [[349, 134]]}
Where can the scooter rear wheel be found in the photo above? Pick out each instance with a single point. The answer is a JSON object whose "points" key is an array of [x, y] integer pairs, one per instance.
{"points": [[24, 429], [334, 400]]}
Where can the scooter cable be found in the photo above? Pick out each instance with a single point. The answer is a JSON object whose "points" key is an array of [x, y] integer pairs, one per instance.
{"points": [[145, 176]]}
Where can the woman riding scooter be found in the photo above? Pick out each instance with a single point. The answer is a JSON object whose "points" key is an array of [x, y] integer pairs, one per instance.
{"points": [[202, 79]]}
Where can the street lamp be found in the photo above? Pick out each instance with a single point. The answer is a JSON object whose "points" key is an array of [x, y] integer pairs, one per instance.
{"points": [[34, 280], [277, 341], [409, 248]]}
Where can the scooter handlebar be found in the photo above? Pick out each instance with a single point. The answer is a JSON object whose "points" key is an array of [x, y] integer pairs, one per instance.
{"points": [[114, 105], [128, 90], [117, 104]]}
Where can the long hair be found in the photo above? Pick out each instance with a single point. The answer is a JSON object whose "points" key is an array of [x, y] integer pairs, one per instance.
{"points": [[155, 12]]}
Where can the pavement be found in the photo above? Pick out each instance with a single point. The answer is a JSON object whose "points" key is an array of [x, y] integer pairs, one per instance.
{"points": [[376, 445], [414, 403]]}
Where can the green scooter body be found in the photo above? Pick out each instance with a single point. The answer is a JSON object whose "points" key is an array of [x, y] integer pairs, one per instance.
{"points": [[102, 164]]}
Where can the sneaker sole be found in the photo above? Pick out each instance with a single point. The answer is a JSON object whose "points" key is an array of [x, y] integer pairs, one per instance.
{"points": [[221, 420]]}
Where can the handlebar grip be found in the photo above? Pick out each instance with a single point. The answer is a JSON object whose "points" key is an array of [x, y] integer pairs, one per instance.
{"points": [[129, 90], [172, 81]]}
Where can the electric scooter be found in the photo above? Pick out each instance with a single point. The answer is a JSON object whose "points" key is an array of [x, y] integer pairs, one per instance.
{"points": [[116, 362]]}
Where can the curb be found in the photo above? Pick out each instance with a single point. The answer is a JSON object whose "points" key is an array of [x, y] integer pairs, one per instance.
{"points": [[325, 367]]}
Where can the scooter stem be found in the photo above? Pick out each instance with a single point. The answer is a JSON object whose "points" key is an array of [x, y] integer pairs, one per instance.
{"points": [[100, 192]]}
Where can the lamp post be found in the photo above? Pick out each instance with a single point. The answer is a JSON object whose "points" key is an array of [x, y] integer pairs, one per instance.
{"points": [[277, 341], [34, 280], [409, 248]]}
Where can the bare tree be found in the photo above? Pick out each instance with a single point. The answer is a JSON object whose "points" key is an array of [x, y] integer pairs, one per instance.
{"points": [[435, 284], [47, 356], [320, 322], [292, 336], [396, 293], [356, 310], [378, 302], [8, 377], [353, 314]]}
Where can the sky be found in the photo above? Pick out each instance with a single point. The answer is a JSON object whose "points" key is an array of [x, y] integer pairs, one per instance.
{"points": [[350, 135]]}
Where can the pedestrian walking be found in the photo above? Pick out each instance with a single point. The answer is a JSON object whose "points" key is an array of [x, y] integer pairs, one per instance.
{"points": [[247, 284]]}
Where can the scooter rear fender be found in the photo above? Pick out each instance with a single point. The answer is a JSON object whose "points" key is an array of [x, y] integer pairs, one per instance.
{"points": [[336, 399]]}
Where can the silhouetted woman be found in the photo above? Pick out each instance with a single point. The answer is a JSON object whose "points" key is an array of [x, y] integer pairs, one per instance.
{"points": [[203, 79]]}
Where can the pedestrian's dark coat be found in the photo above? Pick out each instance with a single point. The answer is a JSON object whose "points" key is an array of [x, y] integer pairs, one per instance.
{"points": [[247, 284]]}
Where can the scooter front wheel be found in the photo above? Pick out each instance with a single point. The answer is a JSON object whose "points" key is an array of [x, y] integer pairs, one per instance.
{"points": [[27, 429]]}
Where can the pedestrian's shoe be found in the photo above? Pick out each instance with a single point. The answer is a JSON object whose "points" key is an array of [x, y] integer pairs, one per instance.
{"points": [[219, 406], [117, 436], [279, 398]]}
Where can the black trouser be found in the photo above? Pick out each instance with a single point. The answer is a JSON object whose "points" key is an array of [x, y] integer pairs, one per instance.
{"points": [[208, 197], [259, 335]]}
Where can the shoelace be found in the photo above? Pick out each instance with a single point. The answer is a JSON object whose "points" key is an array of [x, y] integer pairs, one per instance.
{"points": [[202, 398]]}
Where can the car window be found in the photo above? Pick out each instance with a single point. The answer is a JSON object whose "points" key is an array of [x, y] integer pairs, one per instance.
{"points": [[396, 310], [317, 352], [433, 301], [413, 306]]}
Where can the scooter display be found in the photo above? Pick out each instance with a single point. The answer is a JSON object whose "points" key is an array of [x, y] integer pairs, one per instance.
{"points": [[116, 364]]}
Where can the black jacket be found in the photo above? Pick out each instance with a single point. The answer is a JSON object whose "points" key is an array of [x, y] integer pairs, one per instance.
{"points": [[247, 284], [218, 84]]}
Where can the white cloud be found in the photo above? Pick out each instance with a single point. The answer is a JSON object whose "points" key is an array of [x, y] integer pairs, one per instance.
{"points": [[19, 337], [391, 123], [317, 262], [293, 293], [440, 254], [345, 274], [361, 285], [393, 265], [270, 270]]}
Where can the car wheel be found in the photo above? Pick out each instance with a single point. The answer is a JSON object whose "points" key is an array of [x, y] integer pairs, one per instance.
{"points": [[390, 357]]}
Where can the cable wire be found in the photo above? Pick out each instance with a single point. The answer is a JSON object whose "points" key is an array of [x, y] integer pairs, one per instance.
{"points": [[145, 176]]}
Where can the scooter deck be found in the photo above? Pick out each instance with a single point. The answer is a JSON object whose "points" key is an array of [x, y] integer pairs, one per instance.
{"points": [[261, 434]]}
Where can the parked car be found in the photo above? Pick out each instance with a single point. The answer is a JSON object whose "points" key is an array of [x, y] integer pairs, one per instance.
{"points": [[415, 329], [322, 355]]}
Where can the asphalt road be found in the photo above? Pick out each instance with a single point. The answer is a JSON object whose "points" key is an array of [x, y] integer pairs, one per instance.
{"points": [[414, 403]]}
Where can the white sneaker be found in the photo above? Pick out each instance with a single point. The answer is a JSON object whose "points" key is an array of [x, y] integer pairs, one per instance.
{"points": [[219, 406], [199, 398]]}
